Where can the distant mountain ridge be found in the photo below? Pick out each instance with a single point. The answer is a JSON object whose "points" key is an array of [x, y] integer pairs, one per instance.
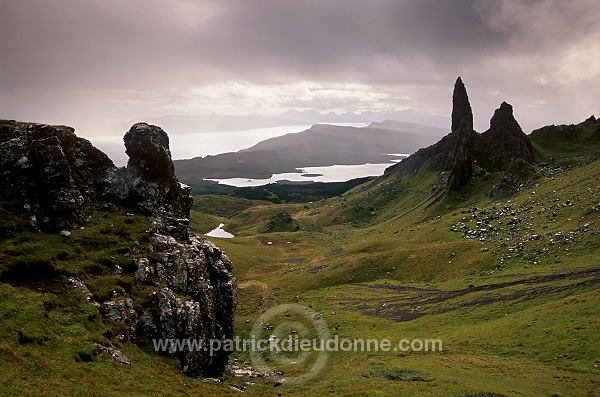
{"points": [[320, 145], [194, 124]]}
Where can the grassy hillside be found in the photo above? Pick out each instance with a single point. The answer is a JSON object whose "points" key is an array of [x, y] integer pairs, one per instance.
{"points": [[567, 144], [48, 332], [510, 286]]}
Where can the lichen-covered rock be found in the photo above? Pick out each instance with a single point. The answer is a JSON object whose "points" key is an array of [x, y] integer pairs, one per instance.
{"points": [[190, 288], [120, 311], [54, 173], [77, 284], [114, 354], [201, 276], [148, 149], [194, 299]]}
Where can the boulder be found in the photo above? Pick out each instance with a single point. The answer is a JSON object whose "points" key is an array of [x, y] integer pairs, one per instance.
{"points": [[149, 180]]}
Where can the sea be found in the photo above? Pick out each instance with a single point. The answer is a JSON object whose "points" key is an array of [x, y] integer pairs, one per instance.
{"points": [[186, 146]]}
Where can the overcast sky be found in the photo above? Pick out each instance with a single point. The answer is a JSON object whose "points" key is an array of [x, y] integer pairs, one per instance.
{"points": [[94, 62]]}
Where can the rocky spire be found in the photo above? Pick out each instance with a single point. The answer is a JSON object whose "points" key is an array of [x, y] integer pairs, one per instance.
{"points": [[148, 149], [504, 120], [149, 179], [462, 115], [503, 141], [458, 167]]}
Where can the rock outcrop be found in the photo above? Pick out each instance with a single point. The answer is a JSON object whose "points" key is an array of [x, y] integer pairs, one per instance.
{"points": [[503, 141], [53, 173], [50, 171], [282, 222], [194, 301], [519, 175], [190, 289], [462, 115], [456, 154], [149, 179]]}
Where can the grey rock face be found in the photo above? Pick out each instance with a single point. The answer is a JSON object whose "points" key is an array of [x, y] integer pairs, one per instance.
{"points": [[149, 179], [54, 173], [192, 290], [201, 276], [519, 175], [51, 171], [194, 299]]}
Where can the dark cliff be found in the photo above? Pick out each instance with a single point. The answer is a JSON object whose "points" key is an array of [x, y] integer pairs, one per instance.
{"points": [[503, 141], [181, 286], [457, 154]]}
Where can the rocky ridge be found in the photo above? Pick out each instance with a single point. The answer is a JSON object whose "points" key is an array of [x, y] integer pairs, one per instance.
{"points": [[189, 287], [463, 151]]}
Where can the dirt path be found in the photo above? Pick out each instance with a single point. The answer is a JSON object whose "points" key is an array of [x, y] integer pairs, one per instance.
{"points": [[403, 303]]}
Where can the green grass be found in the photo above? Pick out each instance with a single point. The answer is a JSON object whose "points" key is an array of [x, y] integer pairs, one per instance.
{"points": [[510, 322], [516, 305]]}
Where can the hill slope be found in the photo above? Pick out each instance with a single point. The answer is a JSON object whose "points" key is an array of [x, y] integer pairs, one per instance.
{"points": [[509, 282], [502, 268]]}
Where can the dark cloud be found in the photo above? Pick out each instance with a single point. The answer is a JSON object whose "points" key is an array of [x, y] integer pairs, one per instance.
{"points": [[120, 57]]}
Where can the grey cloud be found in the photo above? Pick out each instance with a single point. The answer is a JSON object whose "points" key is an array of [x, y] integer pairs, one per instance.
{"points": [[68, 56]]}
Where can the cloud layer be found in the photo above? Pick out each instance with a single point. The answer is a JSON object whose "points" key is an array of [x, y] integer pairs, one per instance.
{"points": [[104, 61]]}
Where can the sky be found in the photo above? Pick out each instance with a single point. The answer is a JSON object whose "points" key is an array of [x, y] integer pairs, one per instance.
{"points": [[91, 63]]}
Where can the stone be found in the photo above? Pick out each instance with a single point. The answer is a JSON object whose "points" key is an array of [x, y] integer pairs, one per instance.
{"points": [[462, 115], [77, 284], [115, 354], [503, 141], [144, 270], [120, 311], [149, 179], [189, 290]]}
